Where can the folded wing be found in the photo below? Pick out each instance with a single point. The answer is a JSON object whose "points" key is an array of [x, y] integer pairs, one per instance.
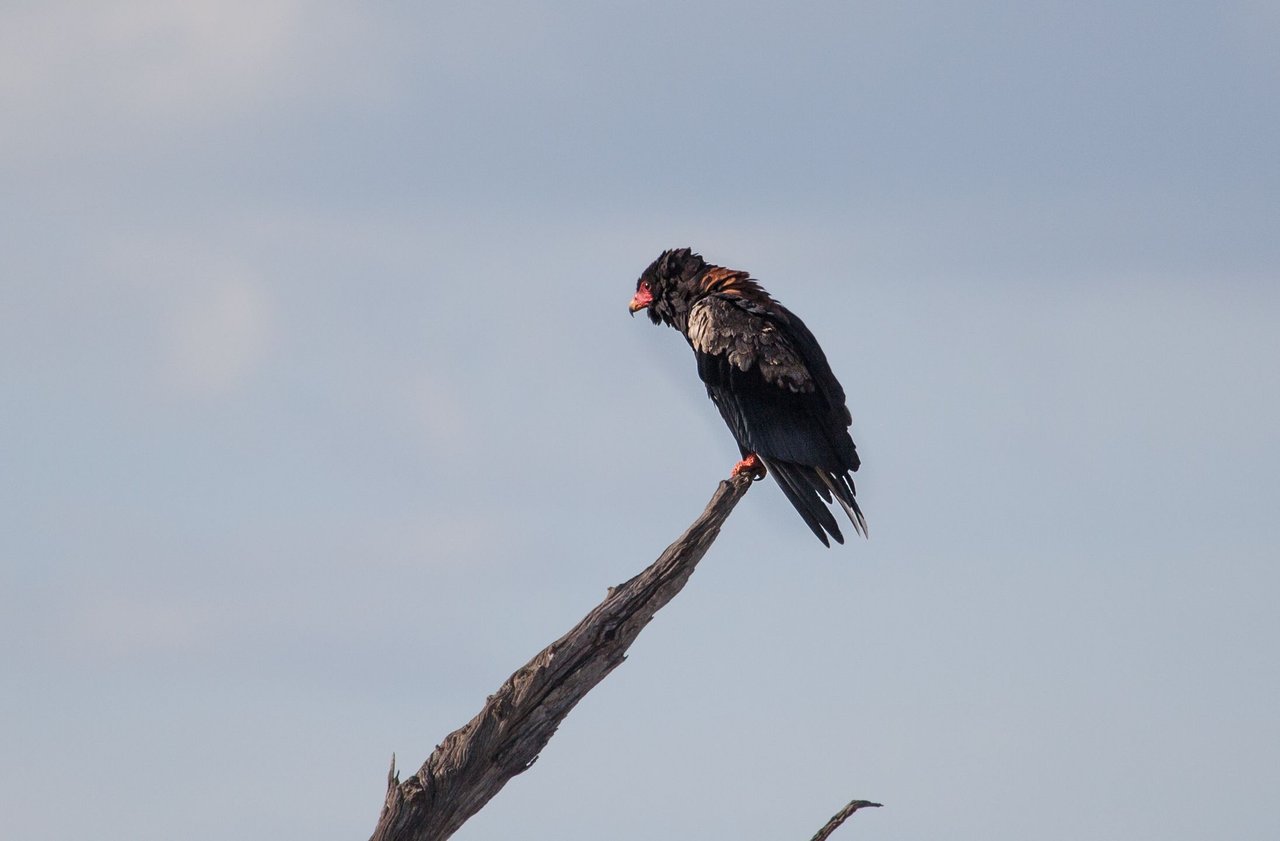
{"points": [[772, 385]]}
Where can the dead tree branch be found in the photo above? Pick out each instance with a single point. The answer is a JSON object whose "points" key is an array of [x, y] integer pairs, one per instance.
{"points": [[840, 817], [473, 763]]}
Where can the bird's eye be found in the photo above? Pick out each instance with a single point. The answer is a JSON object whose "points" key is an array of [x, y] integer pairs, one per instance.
{"points": [[644, 286]]}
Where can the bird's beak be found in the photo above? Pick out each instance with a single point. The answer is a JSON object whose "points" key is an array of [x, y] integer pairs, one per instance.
{"points": [[642, 299]]}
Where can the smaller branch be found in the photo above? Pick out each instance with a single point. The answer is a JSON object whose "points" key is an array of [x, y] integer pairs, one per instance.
{"points": [[840, 817]]}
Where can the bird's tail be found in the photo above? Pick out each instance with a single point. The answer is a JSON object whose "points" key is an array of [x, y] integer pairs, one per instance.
{"points": [[841, 486], [811, 489]]}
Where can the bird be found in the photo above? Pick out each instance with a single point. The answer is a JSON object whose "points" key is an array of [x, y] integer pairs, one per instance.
{"points": [[768, 377]]}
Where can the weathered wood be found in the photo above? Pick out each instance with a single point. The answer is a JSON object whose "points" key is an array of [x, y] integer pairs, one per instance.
{"points": [[473, 763], [840, 817]]}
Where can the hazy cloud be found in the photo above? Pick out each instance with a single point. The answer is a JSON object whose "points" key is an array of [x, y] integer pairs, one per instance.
{"points": [[217, 335]]}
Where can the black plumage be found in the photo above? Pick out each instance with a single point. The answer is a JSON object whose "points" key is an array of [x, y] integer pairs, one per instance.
{"points": [[767, 375]]}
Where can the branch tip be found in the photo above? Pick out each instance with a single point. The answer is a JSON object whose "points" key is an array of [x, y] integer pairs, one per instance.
{"points": [[393, 779], [840, 817]]}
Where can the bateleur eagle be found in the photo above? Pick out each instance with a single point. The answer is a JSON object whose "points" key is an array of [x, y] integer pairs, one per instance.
{"points": [[768, 377]]}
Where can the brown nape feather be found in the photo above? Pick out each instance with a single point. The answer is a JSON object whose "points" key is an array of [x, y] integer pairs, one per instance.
{"points": [[718, 279]]}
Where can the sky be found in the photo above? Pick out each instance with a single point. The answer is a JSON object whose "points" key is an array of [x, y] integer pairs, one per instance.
{"points": [[322, 412]]}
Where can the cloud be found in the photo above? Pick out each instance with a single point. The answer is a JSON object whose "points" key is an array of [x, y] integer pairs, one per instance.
{"points": [[77, 76], [217, 335], [151, 56], [206, 315]]}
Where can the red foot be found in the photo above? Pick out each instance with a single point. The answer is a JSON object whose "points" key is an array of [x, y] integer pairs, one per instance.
{"points": [[751, 465]]}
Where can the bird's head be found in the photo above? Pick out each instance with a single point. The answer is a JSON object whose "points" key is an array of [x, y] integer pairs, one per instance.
{"points": [[669, 287]]}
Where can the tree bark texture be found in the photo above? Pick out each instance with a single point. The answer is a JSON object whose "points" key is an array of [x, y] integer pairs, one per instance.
{"points": [[473, 763]]}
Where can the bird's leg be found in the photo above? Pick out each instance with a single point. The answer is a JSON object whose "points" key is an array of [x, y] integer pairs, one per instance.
{"points": [[751, 465]]}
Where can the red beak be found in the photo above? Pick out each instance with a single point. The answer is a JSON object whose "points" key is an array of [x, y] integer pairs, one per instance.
{"points": [[642, 299]]}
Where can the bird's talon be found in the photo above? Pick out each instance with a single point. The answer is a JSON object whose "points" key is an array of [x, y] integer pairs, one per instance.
{"points": [[751, 465]]}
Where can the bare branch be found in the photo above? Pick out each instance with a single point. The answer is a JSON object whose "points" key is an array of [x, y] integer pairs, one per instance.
{"points": [[840, 817], [473, 763]]}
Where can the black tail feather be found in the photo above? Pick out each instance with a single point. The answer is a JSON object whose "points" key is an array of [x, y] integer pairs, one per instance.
{"points": [[805, 492], [842, 487]]}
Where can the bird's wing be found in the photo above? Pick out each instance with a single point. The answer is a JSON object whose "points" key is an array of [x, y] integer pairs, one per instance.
{"points": [[772, 384], [773, 380]]}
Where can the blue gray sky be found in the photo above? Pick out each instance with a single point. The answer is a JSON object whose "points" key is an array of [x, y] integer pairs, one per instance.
{"points": [[322, 412]]}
